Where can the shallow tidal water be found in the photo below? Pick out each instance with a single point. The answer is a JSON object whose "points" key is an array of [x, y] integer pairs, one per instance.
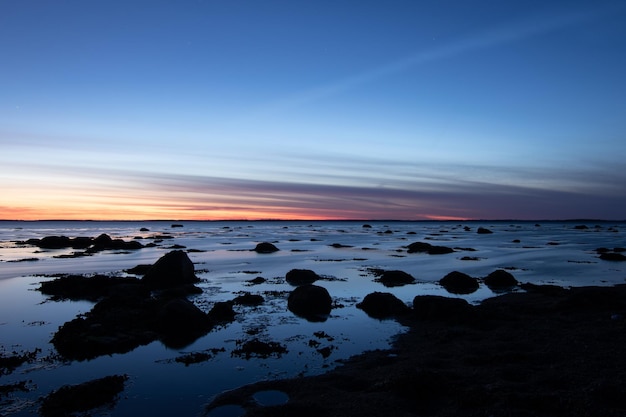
{"points": [[548, 252]]}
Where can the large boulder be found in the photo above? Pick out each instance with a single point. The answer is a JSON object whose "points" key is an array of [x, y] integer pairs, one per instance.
{"points": [[436, 307], [297, 277], [381, 305], [500, 280], [395, 278], [311, 302], [180, 315], [459, 283], [172, 269]]}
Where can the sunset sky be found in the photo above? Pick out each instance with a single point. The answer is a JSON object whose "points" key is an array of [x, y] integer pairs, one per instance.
{"points": [[215, 109]]}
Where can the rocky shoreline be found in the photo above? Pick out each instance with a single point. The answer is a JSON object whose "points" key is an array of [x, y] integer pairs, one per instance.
{"points": [[548, 351]]}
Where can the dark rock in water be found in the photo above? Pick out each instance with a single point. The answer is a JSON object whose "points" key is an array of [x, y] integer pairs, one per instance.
{"points": [[340, 245], [81, 242], [581, 227], [367, 226], [459, 283], [546, 289], [382, 305], [105, 242], [265, 247], [222, 312], [311, 302], [301, 277], [423, 247], [79, 287], [395, 278], [500, 279], [173, 268], [257, 281], [248, 299], [71, 399], [483, 231], [175, 225], [141, 269], [54, 242], [467, 228], [144, 229], [436, 307], [180, 316], [613, 256]]}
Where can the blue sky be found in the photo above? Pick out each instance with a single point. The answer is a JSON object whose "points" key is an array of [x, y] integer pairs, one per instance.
{"points": [[326, 109]]}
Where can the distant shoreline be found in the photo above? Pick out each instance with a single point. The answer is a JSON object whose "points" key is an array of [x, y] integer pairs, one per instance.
{"points": [[330, 220]]}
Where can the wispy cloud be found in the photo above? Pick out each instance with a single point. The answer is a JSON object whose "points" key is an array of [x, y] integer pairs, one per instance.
{"points": [[499, 35]]}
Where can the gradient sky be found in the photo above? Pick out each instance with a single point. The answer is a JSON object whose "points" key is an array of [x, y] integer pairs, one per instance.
{"points": [[319, 109]]}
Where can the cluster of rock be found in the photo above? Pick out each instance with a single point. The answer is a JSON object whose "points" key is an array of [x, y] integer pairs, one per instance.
{"points": [[89, 244], [132, 312]]}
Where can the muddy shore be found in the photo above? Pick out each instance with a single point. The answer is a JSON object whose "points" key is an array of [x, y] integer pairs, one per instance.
{"points": [[544, 352]]}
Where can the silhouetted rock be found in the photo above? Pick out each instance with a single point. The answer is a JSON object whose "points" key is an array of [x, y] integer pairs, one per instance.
{"points": [[483, 231], [248, 299], [265, 247], [500, 280], [311, 302], [301, 277], [71, 399], [222, 312], [52, 242], [395, 278], [436, 307], [175, 225], [382, 305], [144, 229], [79, 287], [173, 268], [581, 227], [141, 269], [340, 245], [423, 247], [256, 281], [459, 283], [180, 316], [367, 226], [613, 256]]}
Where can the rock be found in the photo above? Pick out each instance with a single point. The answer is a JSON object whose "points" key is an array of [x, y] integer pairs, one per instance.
{"points": [[54, 242], [581, 227], [459, 283], [181, 316], [395, 278], [367, 226], [222, 312], [259, 349], [173, 268], [141, 269], [483, 231], [144, 229], [71, 399], [256, 281], [436, 307], [78, 287], [175, 225], [297, 277], [265, 247], [500, 279], [248, 299], [310, 301], [423, 247], [613, 256], [381, 305]]}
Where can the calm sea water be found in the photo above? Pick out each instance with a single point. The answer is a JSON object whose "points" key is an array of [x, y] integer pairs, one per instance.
{"points": [[548, 252]]}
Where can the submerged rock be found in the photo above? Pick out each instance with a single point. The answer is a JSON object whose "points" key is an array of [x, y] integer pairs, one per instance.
{"points": [[483, 231], [459, 283], [173, 268], [382, 305], [301, 277], [310, 301]]}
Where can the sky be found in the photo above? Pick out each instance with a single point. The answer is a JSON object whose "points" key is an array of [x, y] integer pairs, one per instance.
{"points": [[283, 109]]}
